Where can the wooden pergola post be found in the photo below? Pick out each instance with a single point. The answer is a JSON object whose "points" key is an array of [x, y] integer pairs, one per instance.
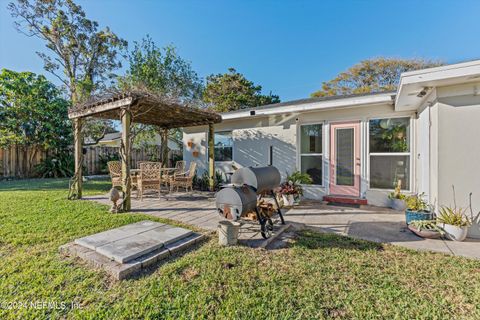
{"points": [[164, 146], [211, 156], [78, 154], [126, 118]]}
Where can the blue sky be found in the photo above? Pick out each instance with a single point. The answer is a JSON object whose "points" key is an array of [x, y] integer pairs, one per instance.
{"points": [[288, 47]]}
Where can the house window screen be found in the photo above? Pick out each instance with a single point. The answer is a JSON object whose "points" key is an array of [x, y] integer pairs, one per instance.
{"points": [[344, 173], [390, 153], [311, 151]]}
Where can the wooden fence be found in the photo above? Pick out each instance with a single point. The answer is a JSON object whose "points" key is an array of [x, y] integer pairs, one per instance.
{"points": [[17, 162], [20, 162]]}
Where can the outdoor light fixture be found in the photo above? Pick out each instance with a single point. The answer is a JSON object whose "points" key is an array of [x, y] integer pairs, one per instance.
{"points": [[423, 93]]}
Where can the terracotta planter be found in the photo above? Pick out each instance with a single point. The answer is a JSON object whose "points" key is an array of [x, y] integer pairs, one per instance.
{"points": [[429, 234], [398, 204], [455, 233]]}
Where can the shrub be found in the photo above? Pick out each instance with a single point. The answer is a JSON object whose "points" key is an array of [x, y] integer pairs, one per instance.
{"points": [[203, 182], [59, 166]]}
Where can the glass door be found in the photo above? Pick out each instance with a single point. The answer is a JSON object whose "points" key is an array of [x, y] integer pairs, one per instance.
{"points": [[345, 159]]}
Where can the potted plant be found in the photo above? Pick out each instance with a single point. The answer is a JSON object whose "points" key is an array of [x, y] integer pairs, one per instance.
{"points": [[298, 178], [289, 191], [397, 198], [417, 208], [454, 222], [426, 229]]}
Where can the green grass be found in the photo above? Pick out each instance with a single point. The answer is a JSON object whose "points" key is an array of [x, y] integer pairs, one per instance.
{"points": [[319, 276]]}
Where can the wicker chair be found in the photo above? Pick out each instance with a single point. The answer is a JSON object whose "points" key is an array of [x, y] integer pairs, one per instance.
{"points": [[115, 170], [179, 170], [185, 179], [149, 178]]}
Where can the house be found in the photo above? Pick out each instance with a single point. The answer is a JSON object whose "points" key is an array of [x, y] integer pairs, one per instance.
{"points": [[426, 135]]}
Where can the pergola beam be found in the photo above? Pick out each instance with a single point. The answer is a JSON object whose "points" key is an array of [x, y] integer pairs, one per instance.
{"points": [[109, 106]]}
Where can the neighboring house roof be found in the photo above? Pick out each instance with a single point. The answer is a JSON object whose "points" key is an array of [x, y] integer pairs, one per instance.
{"points": [[312, 104], [114, 136]]}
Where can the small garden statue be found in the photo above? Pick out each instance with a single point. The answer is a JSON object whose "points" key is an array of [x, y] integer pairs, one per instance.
{"points": [[114, 197]]}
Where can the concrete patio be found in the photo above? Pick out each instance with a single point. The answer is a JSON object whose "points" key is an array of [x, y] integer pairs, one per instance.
{"points": [[369, 223]]}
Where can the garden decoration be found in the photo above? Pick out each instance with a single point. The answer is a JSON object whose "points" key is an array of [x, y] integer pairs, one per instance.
{"points": [[114, 197]]}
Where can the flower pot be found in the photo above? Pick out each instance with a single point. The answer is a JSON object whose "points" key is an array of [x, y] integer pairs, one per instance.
{"points": [[455, 233], [288, 200], [398, 204], [417, 215], [429, 234]]}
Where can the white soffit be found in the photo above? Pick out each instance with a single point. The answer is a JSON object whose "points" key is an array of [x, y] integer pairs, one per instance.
{"points": [[410, 95], [348, 102]]}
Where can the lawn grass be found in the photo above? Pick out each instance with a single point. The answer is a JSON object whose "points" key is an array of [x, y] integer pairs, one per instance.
{"points": [[319, 276]]}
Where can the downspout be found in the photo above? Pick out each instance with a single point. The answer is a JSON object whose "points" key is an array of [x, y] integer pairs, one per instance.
{"points": [[429, 152]]}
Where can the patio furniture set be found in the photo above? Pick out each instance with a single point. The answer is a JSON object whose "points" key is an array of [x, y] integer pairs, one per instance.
{"points": [[151, 175]]}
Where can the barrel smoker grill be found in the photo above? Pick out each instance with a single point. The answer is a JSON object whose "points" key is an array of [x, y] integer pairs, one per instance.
{"points": [[248, 186]]}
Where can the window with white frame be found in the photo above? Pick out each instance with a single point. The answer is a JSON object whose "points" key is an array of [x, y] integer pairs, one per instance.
{"points": [[223, 146], [390, 152], [311, 151]]}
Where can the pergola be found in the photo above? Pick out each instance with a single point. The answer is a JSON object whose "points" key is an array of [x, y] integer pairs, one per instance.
{"points": [[138, 107]]}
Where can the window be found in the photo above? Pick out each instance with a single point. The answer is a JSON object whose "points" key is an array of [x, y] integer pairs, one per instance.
{"points": [[389, 153], [223, 146], [311, 151]]}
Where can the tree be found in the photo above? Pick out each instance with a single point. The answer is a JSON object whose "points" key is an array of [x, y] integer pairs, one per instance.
{"points": [[160, 71], [232, 91], [373, 75], [80, 55], [33, 114]]}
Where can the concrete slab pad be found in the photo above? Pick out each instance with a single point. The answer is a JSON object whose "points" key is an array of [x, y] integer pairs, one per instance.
{"points": [[167, 234], [100, 239], [184, 243], [129, 248], [106, 237], [120, 271], [141, 226]]}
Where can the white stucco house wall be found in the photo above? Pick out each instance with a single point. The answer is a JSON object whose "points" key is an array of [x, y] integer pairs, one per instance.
{"points": [[427, 134]]}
